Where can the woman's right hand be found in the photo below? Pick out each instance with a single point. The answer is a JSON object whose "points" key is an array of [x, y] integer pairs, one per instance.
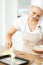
{"points": [[8, 43]]}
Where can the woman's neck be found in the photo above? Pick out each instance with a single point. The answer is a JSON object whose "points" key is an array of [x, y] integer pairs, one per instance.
{"points": [[32, 25], [32, 22]]}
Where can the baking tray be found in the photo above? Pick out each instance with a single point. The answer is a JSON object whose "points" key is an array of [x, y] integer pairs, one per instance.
{"points": [[6, 60], [2, 63]]}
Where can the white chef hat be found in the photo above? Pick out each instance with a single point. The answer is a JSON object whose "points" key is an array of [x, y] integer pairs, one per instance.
{"points": [[38, 3]]}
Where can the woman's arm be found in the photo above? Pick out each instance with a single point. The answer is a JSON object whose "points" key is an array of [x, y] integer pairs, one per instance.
{"points": [[9, 35]]}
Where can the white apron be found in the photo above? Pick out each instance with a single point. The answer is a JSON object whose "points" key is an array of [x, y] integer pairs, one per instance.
{"points": [[31, 39]]}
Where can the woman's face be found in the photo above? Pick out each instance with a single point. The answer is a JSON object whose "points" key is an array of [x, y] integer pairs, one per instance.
{"points": [[35, 13]]}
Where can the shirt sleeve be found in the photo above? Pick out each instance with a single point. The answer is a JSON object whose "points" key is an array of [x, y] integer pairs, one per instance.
{"points": [[19, 23]]}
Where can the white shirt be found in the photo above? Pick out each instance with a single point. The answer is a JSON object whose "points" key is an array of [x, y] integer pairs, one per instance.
{"points": [[21, 23]]}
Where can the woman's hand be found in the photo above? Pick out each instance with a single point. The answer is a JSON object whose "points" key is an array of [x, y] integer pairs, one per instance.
{"points": [[9, 35], [8, 43]]}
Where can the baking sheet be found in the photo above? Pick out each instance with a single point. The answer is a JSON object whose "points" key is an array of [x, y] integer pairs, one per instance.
{"points": [[17, 60], [2, 63]]}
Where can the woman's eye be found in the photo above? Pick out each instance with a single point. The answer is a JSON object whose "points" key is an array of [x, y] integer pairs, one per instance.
{"points": [[34, 13], [38, 15]]}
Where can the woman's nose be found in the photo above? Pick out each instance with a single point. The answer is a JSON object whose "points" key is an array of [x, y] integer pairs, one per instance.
{"points": [[34, 16]]}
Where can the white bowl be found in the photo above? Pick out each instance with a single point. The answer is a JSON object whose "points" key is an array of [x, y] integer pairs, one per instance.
{"points": [[38, 49]]}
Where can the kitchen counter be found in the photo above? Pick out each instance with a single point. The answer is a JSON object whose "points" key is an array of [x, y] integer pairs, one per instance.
{"points": [[26, 56]]}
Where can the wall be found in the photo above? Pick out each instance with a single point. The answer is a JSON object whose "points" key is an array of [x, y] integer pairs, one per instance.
{"points": [[2, 21], [11, 13], [23, 7], [8, 13], [23, 4]]}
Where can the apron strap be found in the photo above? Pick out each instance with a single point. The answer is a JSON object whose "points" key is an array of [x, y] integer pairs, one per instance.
{"points": [[40, 31]]}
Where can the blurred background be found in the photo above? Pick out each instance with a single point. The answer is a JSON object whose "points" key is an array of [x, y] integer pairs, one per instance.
{"points": [[23, 7], [9, 11]]}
